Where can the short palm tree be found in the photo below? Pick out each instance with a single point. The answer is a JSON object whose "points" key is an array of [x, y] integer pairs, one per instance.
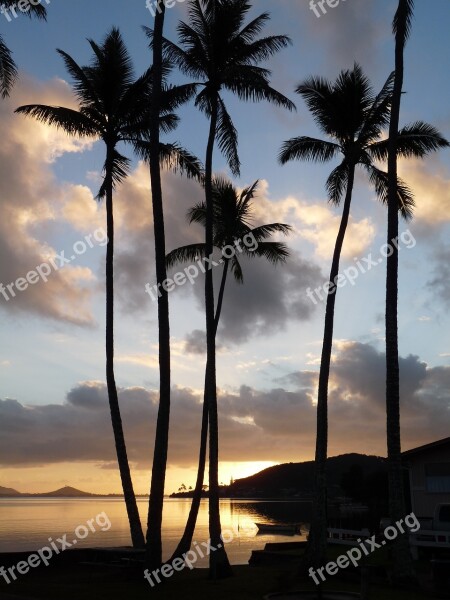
{"points": [[232, 222], [354, 118], [221, 53], [8, 68], [114, 107]]}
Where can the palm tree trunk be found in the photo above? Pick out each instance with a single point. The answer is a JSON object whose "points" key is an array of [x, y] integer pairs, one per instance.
{"points": [[317, 546], [402, 563], [186, 540], [137, 535], [156, 502], [220, 296], [219, 565]]}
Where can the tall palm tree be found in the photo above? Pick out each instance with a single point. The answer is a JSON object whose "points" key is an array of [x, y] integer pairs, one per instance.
{"points": [[114, 107], [354, 118], [402, 562], [8, 68], [232, 222], [156, 500], [221, 53]]}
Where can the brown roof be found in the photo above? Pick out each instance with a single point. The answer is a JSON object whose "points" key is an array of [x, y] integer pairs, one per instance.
{"points": [[426, 447]]}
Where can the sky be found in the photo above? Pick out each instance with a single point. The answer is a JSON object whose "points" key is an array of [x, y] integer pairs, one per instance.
{"points": [[54, 422]]}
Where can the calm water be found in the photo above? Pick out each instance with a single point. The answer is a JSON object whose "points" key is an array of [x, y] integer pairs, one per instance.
{"points": [[26, 524]]}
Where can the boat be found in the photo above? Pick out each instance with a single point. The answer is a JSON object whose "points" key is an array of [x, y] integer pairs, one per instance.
{"points": [[279, 528]]}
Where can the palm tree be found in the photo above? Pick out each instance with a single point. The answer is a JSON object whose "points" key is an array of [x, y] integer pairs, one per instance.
{"points": [[114, 107], [354, 118], [156, 500], [221, 53], [8, 68], [232, 222], [402, 563]]}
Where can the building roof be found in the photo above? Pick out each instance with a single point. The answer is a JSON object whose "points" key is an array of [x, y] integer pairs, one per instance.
{"points": [[426, 447]]}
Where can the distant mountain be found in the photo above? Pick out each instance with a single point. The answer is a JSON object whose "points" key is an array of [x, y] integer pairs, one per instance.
{"points": [[65, 492], [8, 492], [297, 479], [68, 492], [355, 475]]}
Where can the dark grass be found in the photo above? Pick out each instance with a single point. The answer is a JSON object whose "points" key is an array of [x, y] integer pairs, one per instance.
{"points": [[70, 582]]}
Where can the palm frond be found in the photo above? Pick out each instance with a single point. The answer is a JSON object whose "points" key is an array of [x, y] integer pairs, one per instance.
{"points": [[405, 197], [236, 269], [185, 254], [116, 168], [262, 49], [264, 231], [403, 19], [274, 252], [82, 85], [307, 148], [318, 95], [415, 140], [227, 138], [337, 182], [71, 121], [378, 115], [249, 85], [174, 157], [8, 70]]}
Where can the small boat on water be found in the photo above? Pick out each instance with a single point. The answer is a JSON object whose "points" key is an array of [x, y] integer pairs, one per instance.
{"points": [[290, 529]]}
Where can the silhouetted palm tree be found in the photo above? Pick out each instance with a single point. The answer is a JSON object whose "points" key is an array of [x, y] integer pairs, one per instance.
{"points": [[402, 562], [160, 97], [156, 500], [354, 118], [8, 68], [222, 53], [232, 222], [114, 107]]}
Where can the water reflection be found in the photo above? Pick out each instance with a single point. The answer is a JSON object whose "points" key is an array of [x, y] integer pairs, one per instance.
{"points": [[26, 524]]}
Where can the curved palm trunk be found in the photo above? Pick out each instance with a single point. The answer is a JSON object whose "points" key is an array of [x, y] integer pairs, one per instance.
{"points": [[402, 563], [219, 565], [186, 540], [137, 535], [317, 546], [155, 511]]}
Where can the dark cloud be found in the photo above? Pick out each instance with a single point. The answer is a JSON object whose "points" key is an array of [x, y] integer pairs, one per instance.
{"points": [[276, 425], [349, 32], [439, 285], [195, 342], [269, 298]]}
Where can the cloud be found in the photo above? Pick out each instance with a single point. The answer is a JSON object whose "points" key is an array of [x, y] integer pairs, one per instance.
{"points": [[440, 282], [27, 150], [255, 425], [316, 223], [430, 182], [360, 21]]}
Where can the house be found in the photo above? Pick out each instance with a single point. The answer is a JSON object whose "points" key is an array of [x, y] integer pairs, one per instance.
{"points": [[429, 476]]}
